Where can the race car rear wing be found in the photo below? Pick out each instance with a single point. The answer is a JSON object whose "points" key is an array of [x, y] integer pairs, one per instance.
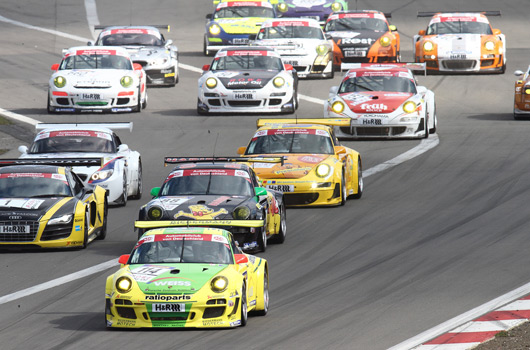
{"points": [[187, 223], [108, 125], [158, 26], [180, 160], [53, 161], [413, 66], [318, 121], [432, 13]]}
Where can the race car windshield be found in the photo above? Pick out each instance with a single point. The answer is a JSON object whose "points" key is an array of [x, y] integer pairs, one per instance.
{"points": [[286, 32], [207, 185], [130, 40], [247, 62], [291, 143], [378, 83], [348, 24], [181, 250], [244, 11], [61, 144], [31, 186], [96, 62], [459, 27]]}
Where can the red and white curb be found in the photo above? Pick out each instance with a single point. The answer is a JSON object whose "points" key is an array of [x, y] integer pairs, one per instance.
{"points": [[481, 329]]}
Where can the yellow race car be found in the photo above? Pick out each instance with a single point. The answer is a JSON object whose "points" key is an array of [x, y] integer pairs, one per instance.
{"points": [[44, 204], [317, 170], [187, 277]]}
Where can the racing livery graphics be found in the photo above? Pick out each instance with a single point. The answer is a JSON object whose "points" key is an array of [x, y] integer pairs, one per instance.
{"points": [[318, 10]]}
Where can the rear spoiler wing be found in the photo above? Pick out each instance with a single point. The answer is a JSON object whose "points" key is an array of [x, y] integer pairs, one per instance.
{"points": [[318, 121], [53, 161], [187, 223], [432, 13], [158, 26], [108, 125], [413, 66], [180, 160]]}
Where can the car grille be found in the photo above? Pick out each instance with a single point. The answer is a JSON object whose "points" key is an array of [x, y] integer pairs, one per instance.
{"points": [[20, 237], [126, 312], [52, 232], [212, 312], [459, 64], [356, 60], [300, 198], [248, 103], [375, 131]]}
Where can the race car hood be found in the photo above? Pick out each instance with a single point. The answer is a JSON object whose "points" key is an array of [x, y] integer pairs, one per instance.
{"points": [[175, 278], [374, 101], [93, 78], [360, 38], [199, 207], [30, 209], [147, 53], [292, 46], [450, 44], [245, 25], [295, 166], [245, 79]]}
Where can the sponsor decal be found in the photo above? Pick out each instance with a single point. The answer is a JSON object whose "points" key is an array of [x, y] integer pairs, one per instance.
{"points": [[146, 273], [170, 203], [77, 228], [167, 297], [311, 159], [250, 245], [202, 212], [171, 283], [354, 41], [375, 107], [284, 171], [236, 323], [127, 109], [214, 322], [74, 243], [126, 323], [21, 203], [252, 302], [168, 307], [244, 81], [95, 52]]}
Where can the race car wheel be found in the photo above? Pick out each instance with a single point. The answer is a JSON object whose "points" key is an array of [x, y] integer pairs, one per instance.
{"points": [[139, 184], [138, 107], [144, 104], [262, 239], [205, 50], [200, 111], [426, 126], [123, 198], [435, 122], [343, 191], [265, 295], [280, 237], [360, 182], [243, 311], [49, 107], [103, 232]]}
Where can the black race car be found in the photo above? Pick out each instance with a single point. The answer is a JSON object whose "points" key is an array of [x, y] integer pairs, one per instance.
{"points": [[221, 190]]}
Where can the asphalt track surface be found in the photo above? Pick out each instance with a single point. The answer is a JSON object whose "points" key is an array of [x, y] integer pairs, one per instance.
{"points": [[430, 239]]}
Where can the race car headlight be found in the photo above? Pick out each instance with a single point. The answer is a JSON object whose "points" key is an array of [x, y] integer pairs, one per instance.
{"points": [[385, 41], [428, 46], [337, 107], [59, 81], [489, 45], [154, 213], [322, 170], [64, 219], [241, 213], [126, 81], [336, 6], [219, 284], [322, 50], [527, 91], [215, 29], [123, 284], [283, 7], [278, 82], [101, 175], [211, 82], [409, 107]]}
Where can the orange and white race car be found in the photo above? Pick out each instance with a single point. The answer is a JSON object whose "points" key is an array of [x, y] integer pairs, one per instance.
{"points": [[521, 103], [461, 42], [363, 36]]}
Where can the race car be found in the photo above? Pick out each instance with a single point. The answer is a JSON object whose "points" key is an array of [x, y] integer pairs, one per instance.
{"points": [[186, 277], [147, 47], [382, 101], [219, 189], [44, 204], [247, 80], [301, 43], [521, 104], [96, 79], [363, 36], [316, 171], [121, 171], [232, 22], [461, 42], [314, 9]]}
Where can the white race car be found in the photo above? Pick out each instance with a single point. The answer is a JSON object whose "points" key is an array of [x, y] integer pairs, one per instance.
{"points": [[382, 101], [97, 79], [121, 173], [301, 43], [148, 47], [249, 79]]}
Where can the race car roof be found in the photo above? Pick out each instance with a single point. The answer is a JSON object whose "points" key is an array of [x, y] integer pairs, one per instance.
{"points": [[231, 3], [131, 30], [247, 50], [186, 230], [220, 165]]}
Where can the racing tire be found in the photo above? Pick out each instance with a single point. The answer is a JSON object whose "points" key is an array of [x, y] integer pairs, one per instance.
{"points": [[262, 239], [49, 108], [280, 237], [144, 104], [435, 122], [199, 110], [426, 127], [103, 232], [343, 190], [138, 107], [360, 182], [139, 185], [243, 309], [205, 50], [265, 295], [123, 198]]}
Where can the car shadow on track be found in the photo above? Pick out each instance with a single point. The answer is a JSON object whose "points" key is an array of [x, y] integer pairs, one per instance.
{"points": [[493, 116]]}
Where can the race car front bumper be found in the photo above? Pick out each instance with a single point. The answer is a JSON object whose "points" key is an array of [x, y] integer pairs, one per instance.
{"points": [[491, 64], [306, 192], [93, 100], [161, 76], [311, 67]]}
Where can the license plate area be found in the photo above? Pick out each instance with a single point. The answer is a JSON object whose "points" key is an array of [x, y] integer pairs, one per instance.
{"points": [[244, 95], [168, 307], [354, 53], [89, 97], [281, 188], [242, 41], [15, 229]]}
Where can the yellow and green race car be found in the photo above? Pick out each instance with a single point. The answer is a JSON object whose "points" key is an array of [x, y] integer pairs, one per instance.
{"points": [[316, 170], [44, 204], [186, 277], [232, 22]]}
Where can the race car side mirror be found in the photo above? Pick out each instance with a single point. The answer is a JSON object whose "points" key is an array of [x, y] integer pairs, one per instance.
{"points": [[90, 43], [23, 149], [55, 67], [137, 66], [289, 66], [517, 73], [123, 147], [421, 32], [328, 36], [123, 259], [169, 42], [206, 67], [252, 37], [497, 31], [392, 28], [240, 258], [155, 191], [421, 89], [333, 90], [340, 150], [260, 191], [209, 16], [240, 150]]}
